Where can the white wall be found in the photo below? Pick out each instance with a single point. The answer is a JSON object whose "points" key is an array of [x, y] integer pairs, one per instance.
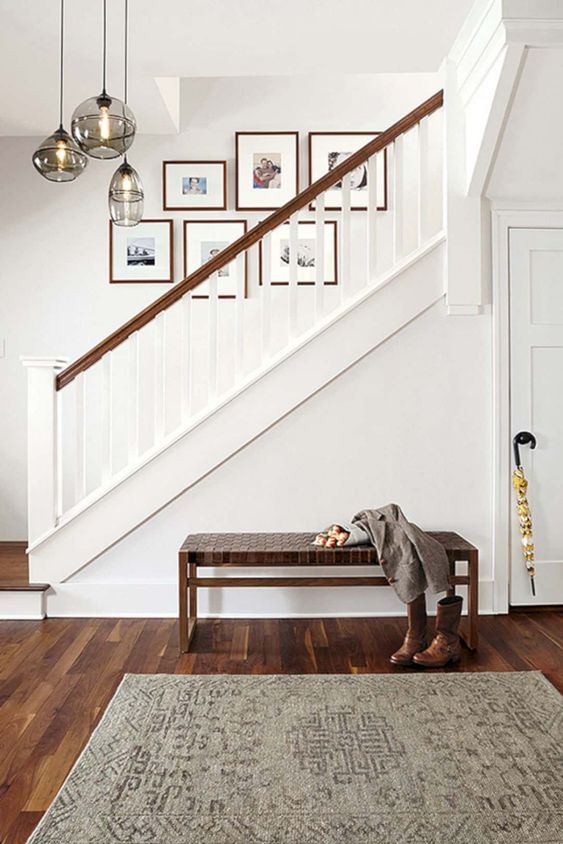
{"points": [[409, 423], [528, 165], [54, 291]]}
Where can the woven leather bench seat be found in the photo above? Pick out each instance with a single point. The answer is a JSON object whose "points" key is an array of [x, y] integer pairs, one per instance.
{"points": [[271, 550]]}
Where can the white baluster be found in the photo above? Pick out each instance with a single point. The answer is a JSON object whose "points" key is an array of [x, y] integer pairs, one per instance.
{"points": [[266, 294], [185, 357], [345, 236], [240, 267], [397, 199], [133, 414], [319, 255], [422, 142], [293, 271], [372, 219], [106, 419], [212, 304], [43, 463], [159, 377], [80, 437]]}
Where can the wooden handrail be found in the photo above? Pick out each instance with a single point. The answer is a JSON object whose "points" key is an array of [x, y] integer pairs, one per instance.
{"points": [[250, 238]]}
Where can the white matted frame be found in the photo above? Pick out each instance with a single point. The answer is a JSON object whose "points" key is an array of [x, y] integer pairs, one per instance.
{"points": [[201, 239], [194, 185], [141, 254], [328, 149], [306, 239], [507, 216], [280, 151]]}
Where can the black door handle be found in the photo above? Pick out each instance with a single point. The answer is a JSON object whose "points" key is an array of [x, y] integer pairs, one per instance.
{"points": [[522, 438]]}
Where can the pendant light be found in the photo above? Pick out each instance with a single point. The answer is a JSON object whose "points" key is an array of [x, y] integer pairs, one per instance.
{"points": [[126, 197], [59, 158], [103, 126]]}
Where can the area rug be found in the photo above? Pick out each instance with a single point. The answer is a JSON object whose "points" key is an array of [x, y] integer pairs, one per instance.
{"points": [[438, 758]]}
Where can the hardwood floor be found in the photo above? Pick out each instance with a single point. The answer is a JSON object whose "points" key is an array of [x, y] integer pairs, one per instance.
{"points": [[57, 677]]}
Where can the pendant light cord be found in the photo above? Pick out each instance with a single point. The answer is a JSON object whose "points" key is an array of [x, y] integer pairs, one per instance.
{"points": [[61, 65], [126, 51], [104, 48]]}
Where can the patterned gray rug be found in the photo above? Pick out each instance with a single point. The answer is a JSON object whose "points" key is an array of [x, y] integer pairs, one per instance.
{"points": [[439, 758]]}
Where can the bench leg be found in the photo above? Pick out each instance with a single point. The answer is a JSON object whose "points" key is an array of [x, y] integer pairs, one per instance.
{"points": [[473, 600], [187, 620]]}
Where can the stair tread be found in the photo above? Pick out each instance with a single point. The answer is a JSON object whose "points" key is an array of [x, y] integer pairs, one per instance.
{"points": [[24, 587]]}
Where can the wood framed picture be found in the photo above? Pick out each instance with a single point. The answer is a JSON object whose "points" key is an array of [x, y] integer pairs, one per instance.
{"points": [[203, 240], [306, 253], [328, 149], [197, 185], [143, 254], [267, 169]]}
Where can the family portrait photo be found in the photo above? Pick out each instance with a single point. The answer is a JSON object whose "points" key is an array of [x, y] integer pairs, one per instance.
{"points": [[194, 185], [267, 171], [141, 251]]}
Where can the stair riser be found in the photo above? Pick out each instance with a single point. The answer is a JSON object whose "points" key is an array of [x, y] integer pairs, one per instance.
{"points": [[24, 604]]}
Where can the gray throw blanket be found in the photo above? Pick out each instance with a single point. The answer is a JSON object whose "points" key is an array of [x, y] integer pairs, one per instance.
{"points": [[411, 560]]}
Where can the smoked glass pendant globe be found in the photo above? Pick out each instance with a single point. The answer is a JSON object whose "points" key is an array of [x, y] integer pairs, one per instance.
{"points": [[103, 126], [58, 158], [126, 196]]}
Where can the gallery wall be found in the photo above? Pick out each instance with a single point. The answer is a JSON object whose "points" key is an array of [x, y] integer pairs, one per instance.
{"points": [[55, 296]]}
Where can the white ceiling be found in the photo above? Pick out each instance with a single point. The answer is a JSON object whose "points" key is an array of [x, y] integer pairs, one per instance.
{"points": [[192, 38]]}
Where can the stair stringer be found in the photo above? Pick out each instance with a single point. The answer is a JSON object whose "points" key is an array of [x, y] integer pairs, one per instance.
{"points": [[348, 335]]}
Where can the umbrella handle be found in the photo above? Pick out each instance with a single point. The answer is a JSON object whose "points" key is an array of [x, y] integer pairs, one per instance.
{"points": [[522, 438]]}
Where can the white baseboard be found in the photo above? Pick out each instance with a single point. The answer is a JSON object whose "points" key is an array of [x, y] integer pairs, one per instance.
{"points": [[160, 600], [21, 605]]}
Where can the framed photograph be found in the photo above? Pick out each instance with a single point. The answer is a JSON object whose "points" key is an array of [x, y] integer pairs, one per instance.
{"points": [[141, 254], [267, 169], [204, 240], [328, 149], [197, 185], [306, 253]]}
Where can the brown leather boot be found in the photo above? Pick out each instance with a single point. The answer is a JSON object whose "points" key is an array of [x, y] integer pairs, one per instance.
{"points": [[416, 638], [445, 646]]}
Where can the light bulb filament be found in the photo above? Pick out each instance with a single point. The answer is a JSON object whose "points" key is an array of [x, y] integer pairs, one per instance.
{"points": [[104, 123], [61, 153]]}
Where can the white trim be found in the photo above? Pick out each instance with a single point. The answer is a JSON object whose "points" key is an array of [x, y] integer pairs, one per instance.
{"points": [[268, 366], [464, 310], [22, 604], [506, 215]]}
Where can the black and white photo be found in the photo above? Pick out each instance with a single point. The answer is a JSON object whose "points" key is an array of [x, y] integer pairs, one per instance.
{"points": [[144, 254]]}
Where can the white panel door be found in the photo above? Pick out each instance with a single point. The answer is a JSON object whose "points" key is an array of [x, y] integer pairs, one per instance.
{"points": [[536, 306]]}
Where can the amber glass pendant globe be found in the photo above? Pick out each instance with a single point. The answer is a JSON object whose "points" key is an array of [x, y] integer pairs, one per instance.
{"points": [[126, 197], [103, 127], [59, 158]]}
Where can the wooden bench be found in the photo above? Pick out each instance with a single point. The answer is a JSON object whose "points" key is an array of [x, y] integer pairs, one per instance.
{"points": [[271, 550]]}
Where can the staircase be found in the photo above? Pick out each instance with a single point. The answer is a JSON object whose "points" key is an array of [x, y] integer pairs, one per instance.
{"points": [[176, 391], [19, 598]]}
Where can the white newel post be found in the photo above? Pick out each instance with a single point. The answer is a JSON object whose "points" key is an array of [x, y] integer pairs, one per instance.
{"points": [[42, 443]]}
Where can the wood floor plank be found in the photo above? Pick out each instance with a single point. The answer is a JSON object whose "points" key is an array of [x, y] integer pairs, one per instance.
{"points": [[57, 676]]}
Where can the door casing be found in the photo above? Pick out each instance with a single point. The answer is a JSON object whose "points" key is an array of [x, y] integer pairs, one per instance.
{"points": [[506, 216]]}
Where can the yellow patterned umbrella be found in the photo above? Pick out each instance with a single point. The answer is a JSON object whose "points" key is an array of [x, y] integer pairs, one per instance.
{"points": [[520, 485]]}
